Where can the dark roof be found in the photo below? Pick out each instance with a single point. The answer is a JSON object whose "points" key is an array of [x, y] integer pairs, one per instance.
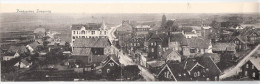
{"points": [[91, 42], [214, 56], [159, 36], [111, 57], [179, 37], [34, 44], [189, 64], [223, 47], [198, 42], [98, 58], [207, 62], [132, 68], [89, 26], [178, 72], [81, 51]]}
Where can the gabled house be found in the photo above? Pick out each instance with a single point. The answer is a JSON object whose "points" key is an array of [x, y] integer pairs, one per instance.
{"points": [[10, 56], [156, 42], [176, 41], [221, 48], [241, 43], [197, 46], [23, 64], [110, 66], [171, 55], [251, 68], [95, 49], [193, 69], [173, 72]]}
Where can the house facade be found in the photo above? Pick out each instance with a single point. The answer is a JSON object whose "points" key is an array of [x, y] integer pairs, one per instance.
{"points": [[90, 30], [197, 46], [251, 69]]}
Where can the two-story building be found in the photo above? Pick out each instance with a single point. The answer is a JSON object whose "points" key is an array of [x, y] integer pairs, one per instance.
{"points": [[197, 46], [156, 42], [95, 49], [194, 69], [89, 30]]}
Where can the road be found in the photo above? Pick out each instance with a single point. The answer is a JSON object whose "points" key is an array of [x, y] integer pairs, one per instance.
{"points": [[125, 59], [233, 71]]}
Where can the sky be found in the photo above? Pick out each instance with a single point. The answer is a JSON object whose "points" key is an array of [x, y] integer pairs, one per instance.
{"points": [[133, 6]]}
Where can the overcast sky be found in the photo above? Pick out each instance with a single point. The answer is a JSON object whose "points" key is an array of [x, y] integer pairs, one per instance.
{"points": [[132, 6]]}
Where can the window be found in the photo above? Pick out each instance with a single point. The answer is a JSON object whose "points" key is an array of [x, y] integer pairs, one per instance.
{"points": [[247, 65], [192, 50], [207, 79], [77, 32], [92, 32], [108, 70], [155, 43], [253, 66], [216, 78], [198, 73], [74, 32], [195, 74], [111, 64], [138, 44], [152, 50], [82, 32], [151, 44], [245, 73], [73, 37], [253, 75], [83, 36], [134, 44]]}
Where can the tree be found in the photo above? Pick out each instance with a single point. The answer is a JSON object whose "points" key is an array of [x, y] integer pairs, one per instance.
{"points": [[215, 24], [171, 25]]}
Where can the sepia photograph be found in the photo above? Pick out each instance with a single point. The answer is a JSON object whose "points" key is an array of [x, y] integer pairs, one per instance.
{"points": [[135, 41]]}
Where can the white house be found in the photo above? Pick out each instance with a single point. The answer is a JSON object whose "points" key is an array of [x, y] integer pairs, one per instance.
{"points": [[90, 30], [9, 57], [23, 64]]}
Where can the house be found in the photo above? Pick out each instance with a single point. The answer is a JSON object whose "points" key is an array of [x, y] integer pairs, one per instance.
{"points": [[23, 64], [40, 32], [251, 68], [89, 30], [214, 56], [138, 28], [96, 49], [10, 56], [176, 41], [137, 42], [111, 66], [189, 32], [241, 43], [221, 48], [156, 42], [154, 66], [193, 69], [171, 55], [197, 46], [33, 46], [248, 38], [173, 72]]}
